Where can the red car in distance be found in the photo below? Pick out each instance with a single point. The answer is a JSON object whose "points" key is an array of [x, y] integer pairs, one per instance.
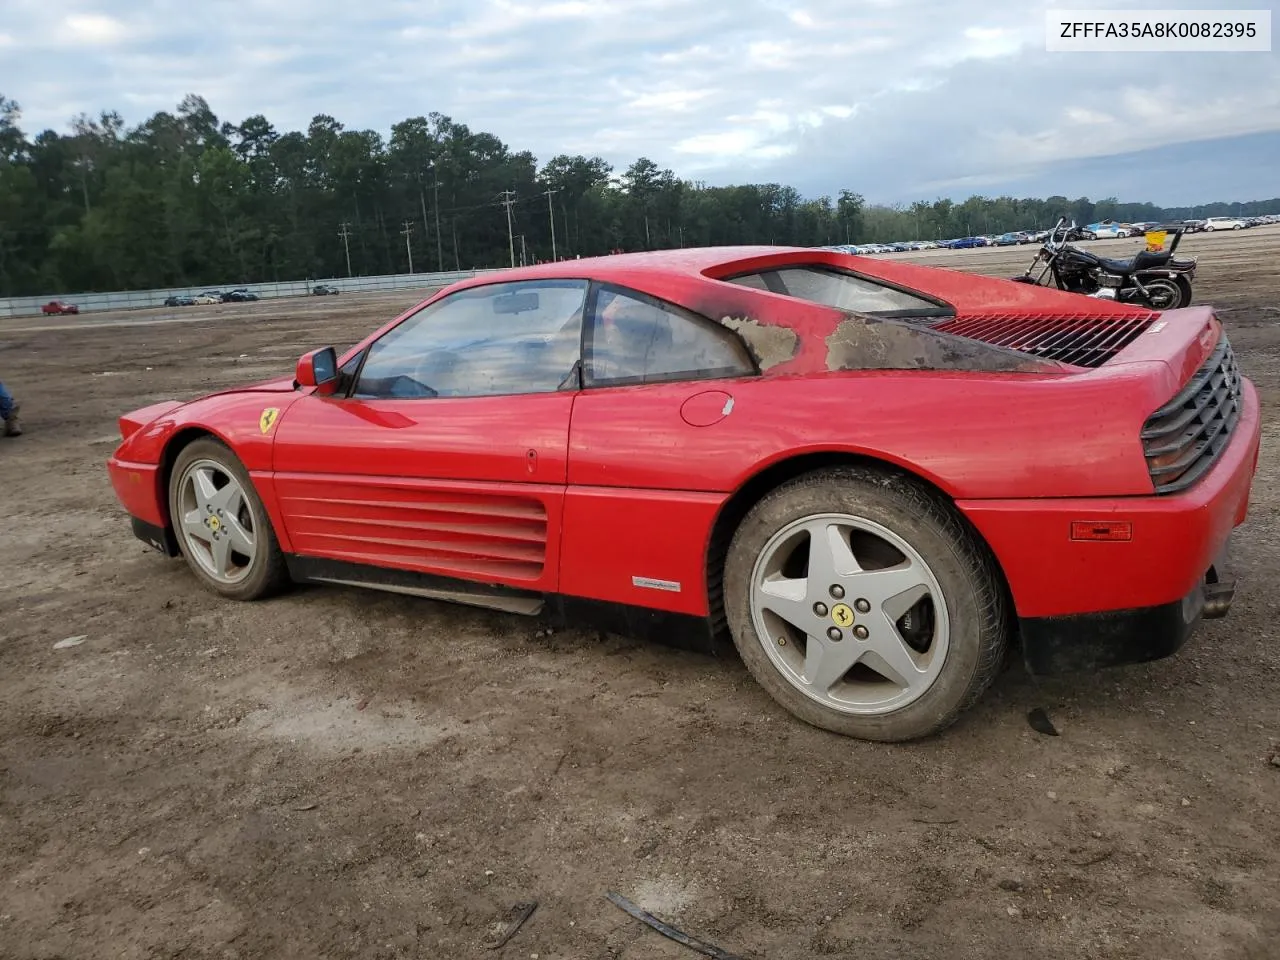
{"points": [[871, 476], [57, 307]]}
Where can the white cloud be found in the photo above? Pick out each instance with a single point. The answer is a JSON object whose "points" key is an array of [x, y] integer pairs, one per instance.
{"points": [[95, 29], [667, 101], [889, 97]]}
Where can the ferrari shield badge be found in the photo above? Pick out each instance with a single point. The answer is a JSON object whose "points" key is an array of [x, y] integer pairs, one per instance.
{"points": [[842, 615], [268, 419]]}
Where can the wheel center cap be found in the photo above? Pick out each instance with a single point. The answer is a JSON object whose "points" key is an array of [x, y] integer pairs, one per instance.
{"points": [[842, 615], [214, 524]]}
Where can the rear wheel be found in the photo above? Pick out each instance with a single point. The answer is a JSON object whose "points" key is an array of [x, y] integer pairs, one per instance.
{"points": [[1184, 285], [863, 605], [221, 524], [1163, 294]]}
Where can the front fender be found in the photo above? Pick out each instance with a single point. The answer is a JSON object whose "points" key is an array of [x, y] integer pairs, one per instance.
{"points": [[245, 422]]}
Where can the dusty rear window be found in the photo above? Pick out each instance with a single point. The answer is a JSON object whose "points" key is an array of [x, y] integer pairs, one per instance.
{"points": [[843, 291]]}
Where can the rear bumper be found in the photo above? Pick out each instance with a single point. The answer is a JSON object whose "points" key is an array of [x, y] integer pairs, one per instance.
{"points": [[1092, 641], [1122, 601]]}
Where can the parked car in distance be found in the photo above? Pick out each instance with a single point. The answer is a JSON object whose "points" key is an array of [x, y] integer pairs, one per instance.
{"points": [[325, 290], [179, 300], [1224, 223], [1106, 230], [58, 307]]}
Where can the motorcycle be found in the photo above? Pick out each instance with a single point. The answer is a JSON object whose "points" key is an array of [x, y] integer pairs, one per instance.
{"points": [[1151, 279]]}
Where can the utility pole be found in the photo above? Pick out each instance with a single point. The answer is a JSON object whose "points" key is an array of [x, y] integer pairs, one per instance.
{"points": [[509, 198], [426, 225], [407, 228], [344, 233], [523, 258], [552, 214], [439, 248]]}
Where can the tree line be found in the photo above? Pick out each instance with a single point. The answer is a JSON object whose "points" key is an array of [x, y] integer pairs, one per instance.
{"points": [[184, 200]]}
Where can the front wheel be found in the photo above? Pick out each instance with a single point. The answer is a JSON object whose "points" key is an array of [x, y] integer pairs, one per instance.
{"points": [[863, 604], [221, 524]]}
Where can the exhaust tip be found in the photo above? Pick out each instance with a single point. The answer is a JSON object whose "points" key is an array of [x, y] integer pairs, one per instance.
{"points": [[1218, 594]]}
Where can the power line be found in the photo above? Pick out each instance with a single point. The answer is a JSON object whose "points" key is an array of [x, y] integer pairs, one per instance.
{"points": [[345, 234], [408, 229], [509, 198]]}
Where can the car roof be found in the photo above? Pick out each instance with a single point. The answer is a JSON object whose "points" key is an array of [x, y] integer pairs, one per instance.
{"points": [[786, 334], [691, 261], [693, 277]]}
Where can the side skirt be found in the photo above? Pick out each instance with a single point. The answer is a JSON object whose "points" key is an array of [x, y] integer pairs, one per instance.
{"points": [[414, 584], [680, 631]]}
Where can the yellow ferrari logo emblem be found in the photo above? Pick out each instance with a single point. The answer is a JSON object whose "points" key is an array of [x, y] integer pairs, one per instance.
{"points": [[214, 524], [842, 615], [268, 419]]}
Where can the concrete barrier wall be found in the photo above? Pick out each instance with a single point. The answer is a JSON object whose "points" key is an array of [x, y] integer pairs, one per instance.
{"points": [[140, 299]]}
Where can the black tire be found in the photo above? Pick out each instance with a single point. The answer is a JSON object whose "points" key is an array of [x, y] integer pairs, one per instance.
{"points": [[1170, 287], [268, 573], [971, 583], [1185, 286]]}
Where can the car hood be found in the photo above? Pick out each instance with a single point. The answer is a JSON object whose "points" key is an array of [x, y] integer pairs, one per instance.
{"points": [[276, 385], [134, 419]]}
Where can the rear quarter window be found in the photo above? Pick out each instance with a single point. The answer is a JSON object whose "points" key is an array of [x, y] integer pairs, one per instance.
{"points": [[843, 291]]}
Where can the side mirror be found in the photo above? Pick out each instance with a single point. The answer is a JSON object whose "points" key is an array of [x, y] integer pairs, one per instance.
{"points": [[317, 368]]}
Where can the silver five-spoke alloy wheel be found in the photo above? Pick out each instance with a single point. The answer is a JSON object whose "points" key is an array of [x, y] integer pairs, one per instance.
{"points": [[215, 521], [849, 613]]}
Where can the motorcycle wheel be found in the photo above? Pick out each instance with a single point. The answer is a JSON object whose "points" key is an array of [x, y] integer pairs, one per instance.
{"points": [[1185, 286], [1162, 294]]}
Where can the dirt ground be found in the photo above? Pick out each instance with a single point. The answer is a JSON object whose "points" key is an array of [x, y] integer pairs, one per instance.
{"points": [[340, 773]]}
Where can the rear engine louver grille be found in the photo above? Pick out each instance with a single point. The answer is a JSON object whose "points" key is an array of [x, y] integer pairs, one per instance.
{"points": [[1184, 438], [1083, 340]]}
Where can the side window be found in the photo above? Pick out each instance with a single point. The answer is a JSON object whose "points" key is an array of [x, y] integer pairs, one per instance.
{"points": [[843, 291], [633, 338], [503, 338]]}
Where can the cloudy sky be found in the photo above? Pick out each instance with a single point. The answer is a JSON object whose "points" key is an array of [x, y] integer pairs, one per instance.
{"points": [[898, 99]]}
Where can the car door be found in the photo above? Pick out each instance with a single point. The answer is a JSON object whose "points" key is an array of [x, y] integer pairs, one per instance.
{"points": [[444, 450], [653, 433]]}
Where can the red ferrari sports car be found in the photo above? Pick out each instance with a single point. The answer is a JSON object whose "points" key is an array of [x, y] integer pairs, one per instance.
{"points": [[871, 476]]}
